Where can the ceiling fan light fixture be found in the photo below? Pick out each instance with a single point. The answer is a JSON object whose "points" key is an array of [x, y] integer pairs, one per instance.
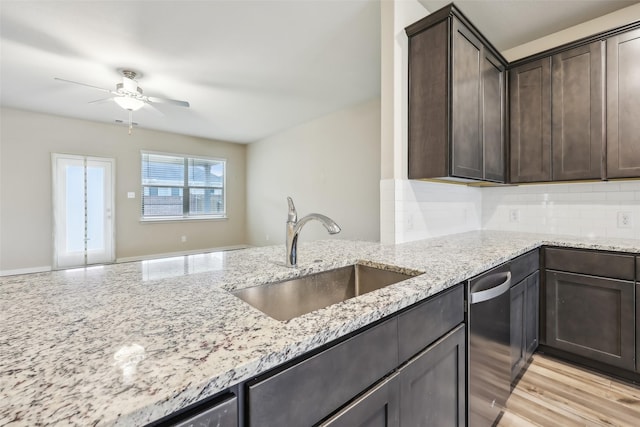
{"points": [[129, 103]]}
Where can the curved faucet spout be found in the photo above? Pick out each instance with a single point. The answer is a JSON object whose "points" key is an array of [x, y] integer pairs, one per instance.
{"points": [[328, 223], [294, 227]]}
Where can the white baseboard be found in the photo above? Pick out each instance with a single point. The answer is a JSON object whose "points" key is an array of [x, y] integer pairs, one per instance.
{"points": [[182, 253], [29, 270]]}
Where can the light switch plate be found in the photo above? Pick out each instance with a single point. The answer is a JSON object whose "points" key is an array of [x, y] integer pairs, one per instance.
{"points": [[131, 195]]}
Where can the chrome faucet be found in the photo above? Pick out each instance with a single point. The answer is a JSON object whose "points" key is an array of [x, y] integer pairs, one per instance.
{"points": [[294, 226]]}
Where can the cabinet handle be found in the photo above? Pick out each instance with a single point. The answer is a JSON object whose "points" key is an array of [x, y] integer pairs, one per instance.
{"points": [[491, 293]]}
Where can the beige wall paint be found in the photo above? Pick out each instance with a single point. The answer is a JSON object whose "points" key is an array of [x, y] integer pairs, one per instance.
{"points": [[26, 143], [330, 165], [612, 20]]}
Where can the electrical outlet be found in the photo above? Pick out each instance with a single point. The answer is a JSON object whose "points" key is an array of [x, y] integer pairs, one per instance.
{"points": [[514, 215], [183, 239], [624, 220]]}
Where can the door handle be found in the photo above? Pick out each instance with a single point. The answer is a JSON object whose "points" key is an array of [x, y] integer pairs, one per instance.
{"points": [[491, 293]]}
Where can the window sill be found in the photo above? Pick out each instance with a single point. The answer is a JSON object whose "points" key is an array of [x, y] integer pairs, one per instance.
{"points": [[183, 219]]}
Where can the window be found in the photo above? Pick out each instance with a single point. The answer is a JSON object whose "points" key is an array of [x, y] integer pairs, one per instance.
{"points": [[175, 186]]}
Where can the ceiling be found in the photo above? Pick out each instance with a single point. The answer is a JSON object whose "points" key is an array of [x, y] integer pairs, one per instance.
{"points": [[249, 68]]}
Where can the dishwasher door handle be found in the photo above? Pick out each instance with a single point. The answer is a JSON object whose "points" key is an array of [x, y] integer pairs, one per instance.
{"points": [[491, 293]]}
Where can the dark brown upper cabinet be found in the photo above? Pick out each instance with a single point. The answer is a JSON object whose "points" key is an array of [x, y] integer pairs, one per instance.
{"points": [[577, 92], [530, 96], [623, 105], [557, 116], [456, 100]]}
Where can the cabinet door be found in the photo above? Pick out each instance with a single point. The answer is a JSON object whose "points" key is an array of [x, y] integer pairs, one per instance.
{"points": [[532, 315], [376, 408], [466, 144], [223, 414], [638, 327], [578, 112], [309, 391], [428, 143], [530, 95], [432, 385], [591, 317], [518, 316], [623, 105], [493, 117]]}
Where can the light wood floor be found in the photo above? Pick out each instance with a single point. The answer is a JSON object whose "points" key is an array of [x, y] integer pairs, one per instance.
{"points": [[553, 393]]}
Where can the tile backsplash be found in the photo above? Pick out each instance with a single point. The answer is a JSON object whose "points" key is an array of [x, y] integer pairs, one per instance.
{"points": [[413, 210], [596, 209]]}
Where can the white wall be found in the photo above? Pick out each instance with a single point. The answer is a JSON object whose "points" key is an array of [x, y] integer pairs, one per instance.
{"points": [[26, 143], [395, 16], [612, 20], [330, 165]]}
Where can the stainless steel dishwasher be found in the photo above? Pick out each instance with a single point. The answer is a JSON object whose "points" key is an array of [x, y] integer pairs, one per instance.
{"points": [[489, 347]]}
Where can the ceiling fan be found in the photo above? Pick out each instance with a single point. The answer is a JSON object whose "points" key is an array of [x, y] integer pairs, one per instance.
{"points": [[129, 95]]}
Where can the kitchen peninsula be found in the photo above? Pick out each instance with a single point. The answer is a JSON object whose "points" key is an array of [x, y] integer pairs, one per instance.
{"points": [[130, 343]]}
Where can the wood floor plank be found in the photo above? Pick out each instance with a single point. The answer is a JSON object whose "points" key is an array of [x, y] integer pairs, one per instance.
{"points": [[555, 393]]}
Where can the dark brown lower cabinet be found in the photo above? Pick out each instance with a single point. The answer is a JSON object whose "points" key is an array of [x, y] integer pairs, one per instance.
{"points": [[223, 414], [364, 380], [309, 391], [532, 310], [593, 317], [637, 327], [524, 322], [432, 384], [376, 408], [518, 358], [427, 391]]}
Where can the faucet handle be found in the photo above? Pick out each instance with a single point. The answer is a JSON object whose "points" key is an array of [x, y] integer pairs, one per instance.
{"points": [[293, 214]]}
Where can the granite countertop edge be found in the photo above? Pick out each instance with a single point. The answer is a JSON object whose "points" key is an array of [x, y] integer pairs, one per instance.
{"points": [[213, 351]]}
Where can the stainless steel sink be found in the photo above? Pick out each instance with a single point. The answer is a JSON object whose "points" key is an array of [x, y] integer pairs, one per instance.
{"points": [[292, 298]]}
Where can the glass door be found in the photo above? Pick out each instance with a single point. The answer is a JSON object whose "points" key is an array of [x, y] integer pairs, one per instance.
{"points": [[83, 210]]}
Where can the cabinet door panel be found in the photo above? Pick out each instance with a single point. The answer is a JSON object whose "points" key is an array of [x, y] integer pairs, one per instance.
{"points": [[224, 414], [595, 263], [376, 408], [311, 390], [428, 103], [467, 153], [442, 313], [578, 112], [530, 87], [518, 314], [623, 105], [638, 327], [493, 117], [532, 315], [432, 385], [591, 317]]}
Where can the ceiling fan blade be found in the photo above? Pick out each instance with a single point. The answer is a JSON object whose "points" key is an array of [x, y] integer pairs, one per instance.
{"points": [[151, 108], [168, 101], [101, 100], [83, 84]]}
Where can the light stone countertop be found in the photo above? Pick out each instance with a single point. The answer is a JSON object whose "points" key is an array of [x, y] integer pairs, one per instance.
{"points": [[126, 344]]}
